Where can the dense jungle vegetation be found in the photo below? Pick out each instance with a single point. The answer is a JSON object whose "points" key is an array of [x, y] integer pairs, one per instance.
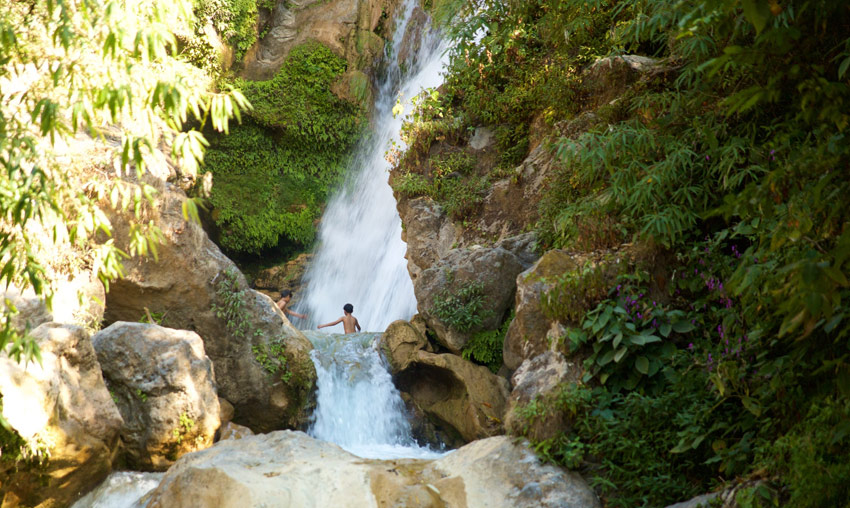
{"points": [[729, 163]]}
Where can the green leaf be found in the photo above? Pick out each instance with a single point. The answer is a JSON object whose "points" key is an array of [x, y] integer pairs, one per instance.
{"points": [[606, 358], [683, 326], [665, 329], [642, 365], [620, 354], [757, 12]]}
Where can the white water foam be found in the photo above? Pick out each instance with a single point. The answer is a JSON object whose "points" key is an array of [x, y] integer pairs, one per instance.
{"points": [[360, 256], [358, 407]]}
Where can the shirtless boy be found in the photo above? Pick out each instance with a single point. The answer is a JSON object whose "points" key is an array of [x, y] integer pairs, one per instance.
{"points": [[349, 322], [285, 296]]}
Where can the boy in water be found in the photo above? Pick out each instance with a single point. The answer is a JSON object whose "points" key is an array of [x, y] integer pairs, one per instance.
{"points": [[285, 296], [349, 322]]}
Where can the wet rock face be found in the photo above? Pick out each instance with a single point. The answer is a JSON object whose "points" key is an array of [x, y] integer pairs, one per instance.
{"points": [[163, 384], [63, 407], [280, 469], [193, 286]]}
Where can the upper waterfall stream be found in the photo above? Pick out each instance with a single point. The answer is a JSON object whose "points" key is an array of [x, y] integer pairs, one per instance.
{"points": [[360, 260], [360, 257]]}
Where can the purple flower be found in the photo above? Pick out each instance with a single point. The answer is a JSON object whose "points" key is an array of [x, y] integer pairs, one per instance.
{"points": [[720, 330], [708, 158], [709, 358], [691, 346]]}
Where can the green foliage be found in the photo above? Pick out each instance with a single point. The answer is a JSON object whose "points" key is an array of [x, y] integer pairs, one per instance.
{"points": [[462, 309], [234, 20], [186, 424], [255, 204], [575, 292], [732, 155], [272, 357], [486, 347], [299, 103], [812, 456], [631, 336], [142, 396], [83, 67], [272, 175], [622, 443], [452, 184]]}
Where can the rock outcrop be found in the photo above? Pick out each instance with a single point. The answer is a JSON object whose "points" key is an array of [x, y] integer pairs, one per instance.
{"points": [[541, 378], [279, 469], [193, 286], [164, 386], [531, 332], [347, 27], [63, 410], [492, 270], [400, 341], [463, 400], [77, 300]]}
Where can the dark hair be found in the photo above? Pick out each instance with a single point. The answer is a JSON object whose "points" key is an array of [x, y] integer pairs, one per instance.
{"points": [[348, 308], [285, 292]]}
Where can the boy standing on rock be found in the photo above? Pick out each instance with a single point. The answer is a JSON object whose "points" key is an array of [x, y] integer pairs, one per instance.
{"points": [[349, 322]]}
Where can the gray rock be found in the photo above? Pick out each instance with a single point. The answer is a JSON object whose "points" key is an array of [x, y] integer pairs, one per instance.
{"points": [[282, 469], [482, 138], [164, 386], [61, 405], [185, 286], [494, 269], [527, 334], [541, 377]]}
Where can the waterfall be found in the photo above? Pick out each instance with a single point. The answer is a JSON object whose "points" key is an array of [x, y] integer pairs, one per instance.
{"points": [[358, 407], [360, 260], [360, 256]]}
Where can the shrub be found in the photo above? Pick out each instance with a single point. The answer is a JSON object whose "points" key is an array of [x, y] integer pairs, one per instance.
{"points": [[462, 309], [485, 347]]}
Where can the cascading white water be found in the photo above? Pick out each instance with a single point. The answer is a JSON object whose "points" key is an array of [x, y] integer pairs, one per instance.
{"points": [[360, 258], [358, 407]]}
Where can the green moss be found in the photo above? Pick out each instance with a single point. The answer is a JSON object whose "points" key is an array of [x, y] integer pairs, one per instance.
{"points": [[272, 174]]}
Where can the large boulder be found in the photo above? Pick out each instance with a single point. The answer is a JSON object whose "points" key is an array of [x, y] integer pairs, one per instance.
{"points": [[400, 341], [164, 386], [282, 469], [262, 362], [531, 332], [428, 231], [63, 411], [77, 299], [607, 78], [463, 399], [541, 378], [345, 26], [488, 273]]}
